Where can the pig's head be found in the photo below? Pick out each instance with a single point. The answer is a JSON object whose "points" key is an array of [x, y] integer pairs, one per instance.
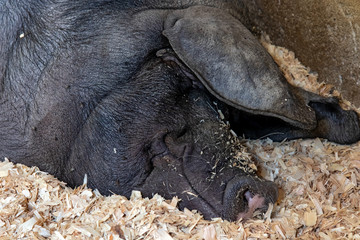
{"points": [[199, 160]]}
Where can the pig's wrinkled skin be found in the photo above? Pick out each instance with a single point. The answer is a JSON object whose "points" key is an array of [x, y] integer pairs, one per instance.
{"points": [[128, 93]]}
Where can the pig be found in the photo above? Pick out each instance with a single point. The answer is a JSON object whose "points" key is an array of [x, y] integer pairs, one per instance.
{"points": [[129, 93]]}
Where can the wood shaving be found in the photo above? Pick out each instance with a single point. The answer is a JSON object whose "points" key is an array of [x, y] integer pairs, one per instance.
{"points": [[318, 181]]}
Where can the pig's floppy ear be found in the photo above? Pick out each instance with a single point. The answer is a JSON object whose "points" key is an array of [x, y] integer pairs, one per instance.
{"points": [[233, 66]]}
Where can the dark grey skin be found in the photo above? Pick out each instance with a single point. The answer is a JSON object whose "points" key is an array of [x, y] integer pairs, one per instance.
{"points": [[128, 92]]}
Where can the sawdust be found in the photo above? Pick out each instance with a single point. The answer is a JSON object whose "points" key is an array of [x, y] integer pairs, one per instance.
{"points": [[318, 181]]}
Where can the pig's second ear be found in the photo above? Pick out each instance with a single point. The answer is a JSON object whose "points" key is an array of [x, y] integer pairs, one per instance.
{"points": [[233, 66]]}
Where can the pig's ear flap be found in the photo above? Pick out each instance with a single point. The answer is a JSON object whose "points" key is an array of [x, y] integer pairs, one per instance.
{"points": [[233, 66]]}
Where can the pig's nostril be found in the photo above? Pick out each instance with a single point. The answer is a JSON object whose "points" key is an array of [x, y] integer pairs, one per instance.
{"points": [[248, 196], [245, 196]]}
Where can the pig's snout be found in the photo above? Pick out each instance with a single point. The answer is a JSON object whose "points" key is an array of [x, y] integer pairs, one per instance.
{"points": [[245, 194]]}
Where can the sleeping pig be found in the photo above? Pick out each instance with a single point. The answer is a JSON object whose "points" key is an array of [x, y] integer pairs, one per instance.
{"points": [[129, 93]]}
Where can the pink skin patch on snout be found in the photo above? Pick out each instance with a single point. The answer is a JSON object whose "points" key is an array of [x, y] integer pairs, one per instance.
{"points": [[254, 202]]}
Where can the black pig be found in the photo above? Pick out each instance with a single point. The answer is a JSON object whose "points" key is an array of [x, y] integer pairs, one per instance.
{"points": [[128, 92]]}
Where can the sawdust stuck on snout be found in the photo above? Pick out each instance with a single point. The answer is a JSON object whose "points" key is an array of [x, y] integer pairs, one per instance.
{"points": [[318, 181]]}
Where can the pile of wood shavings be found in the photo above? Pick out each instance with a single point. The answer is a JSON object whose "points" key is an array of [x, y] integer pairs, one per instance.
{"points": [[301, 76], [318, 180]]}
